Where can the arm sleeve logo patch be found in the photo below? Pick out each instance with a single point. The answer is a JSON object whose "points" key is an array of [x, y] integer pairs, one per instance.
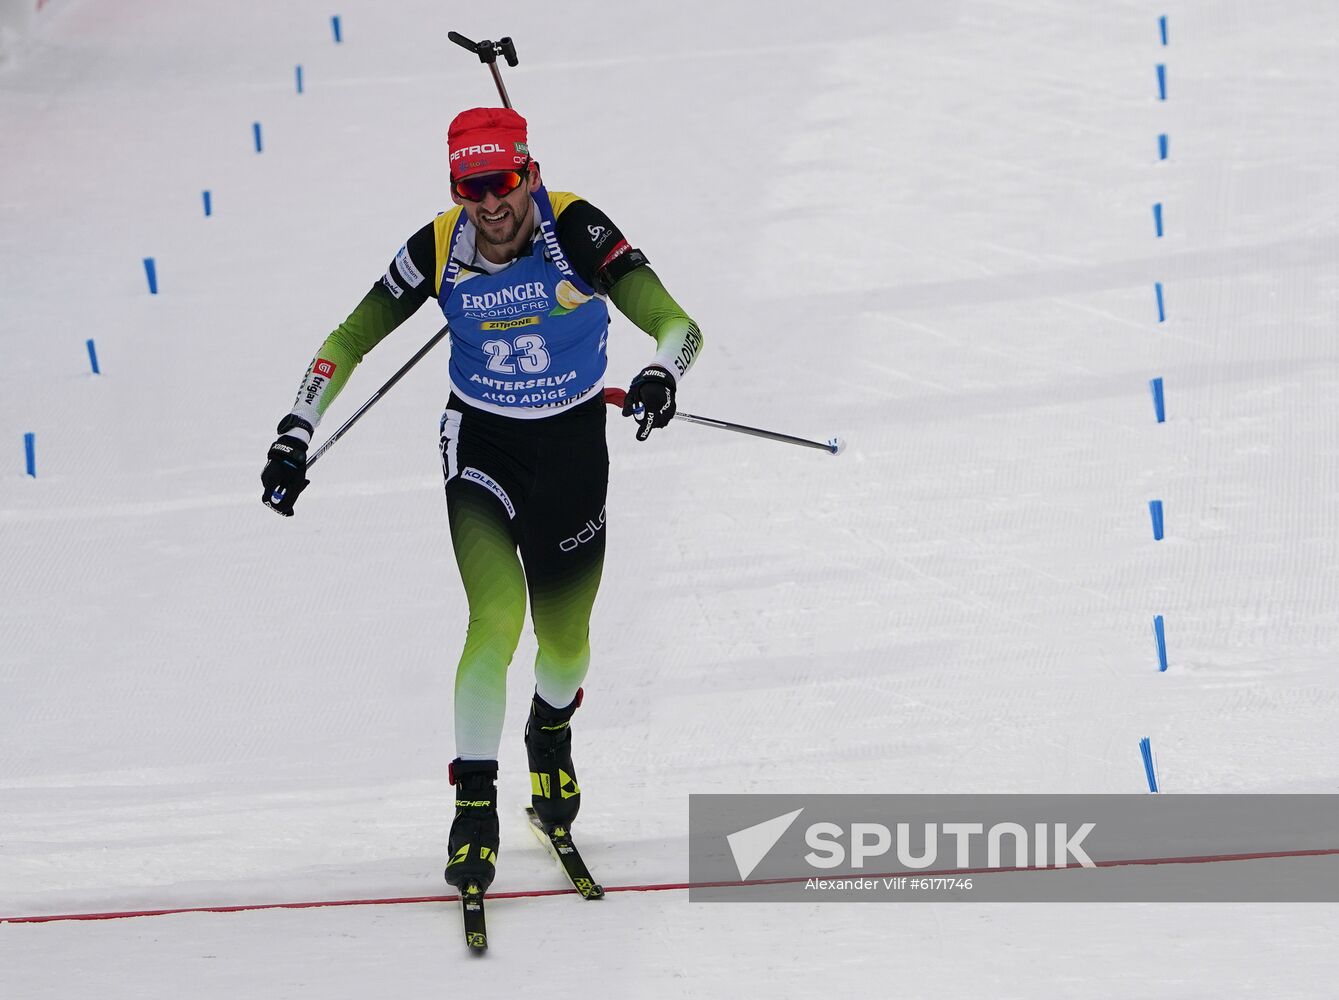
{"points": [[411, 274]]}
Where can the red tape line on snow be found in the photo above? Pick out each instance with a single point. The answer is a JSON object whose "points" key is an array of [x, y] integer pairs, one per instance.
{"points": [[659, 887]]}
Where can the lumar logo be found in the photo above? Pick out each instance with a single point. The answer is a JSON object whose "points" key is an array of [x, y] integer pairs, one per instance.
{"points": [[584, 535], [488, 147], [555, 248]]}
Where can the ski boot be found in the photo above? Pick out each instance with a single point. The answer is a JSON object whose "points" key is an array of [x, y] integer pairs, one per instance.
{"points": [[553, 780], [474, 832]]}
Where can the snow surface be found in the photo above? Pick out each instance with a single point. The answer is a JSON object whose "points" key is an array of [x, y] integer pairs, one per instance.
{"points": [[925, 227]]}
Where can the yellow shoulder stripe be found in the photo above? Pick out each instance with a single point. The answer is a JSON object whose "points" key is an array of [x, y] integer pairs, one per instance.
{"points": [[560, 200], [442, 228]]}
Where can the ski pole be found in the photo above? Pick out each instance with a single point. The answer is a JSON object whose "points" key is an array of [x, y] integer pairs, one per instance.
{"points": [[833, 446], [488, 53], [436, 338]]}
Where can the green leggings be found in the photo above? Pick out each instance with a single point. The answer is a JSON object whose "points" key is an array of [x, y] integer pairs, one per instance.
{"points": [[525, 499]]}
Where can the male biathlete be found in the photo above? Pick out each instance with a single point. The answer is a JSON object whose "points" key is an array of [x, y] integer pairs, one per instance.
{"points": [[522, 275]]}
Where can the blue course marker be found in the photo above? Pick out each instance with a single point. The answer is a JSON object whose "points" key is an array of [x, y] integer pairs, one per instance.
{"points": [[1146, 751], [1162, 146], [209, 205], [1159, 407], [298, 74], [1157, 219], [334, 27], [1155, 512], [93, 358], [1162, 28], [30, 453], [1157, 292], [1160, 634], [255, 132], [1162, 81], [151, 272]]}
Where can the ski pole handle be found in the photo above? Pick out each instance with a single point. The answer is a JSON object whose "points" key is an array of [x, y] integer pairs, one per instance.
{"points": [[833, 446]]}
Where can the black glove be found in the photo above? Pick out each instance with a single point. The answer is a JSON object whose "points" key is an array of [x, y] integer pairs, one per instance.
{"points": [[285, 474], [653, 391]]}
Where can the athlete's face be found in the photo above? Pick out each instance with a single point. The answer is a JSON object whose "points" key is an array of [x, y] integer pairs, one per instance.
{"points": [[503, 222]]}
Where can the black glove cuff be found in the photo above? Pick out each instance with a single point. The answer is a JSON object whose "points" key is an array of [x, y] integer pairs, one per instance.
{"points": [[293, 420], [657, 373], [288, 447]]}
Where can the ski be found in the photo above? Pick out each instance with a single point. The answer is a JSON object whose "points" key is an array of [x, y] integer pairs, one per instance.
{"points": [[559, 843], [472, 909]]}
